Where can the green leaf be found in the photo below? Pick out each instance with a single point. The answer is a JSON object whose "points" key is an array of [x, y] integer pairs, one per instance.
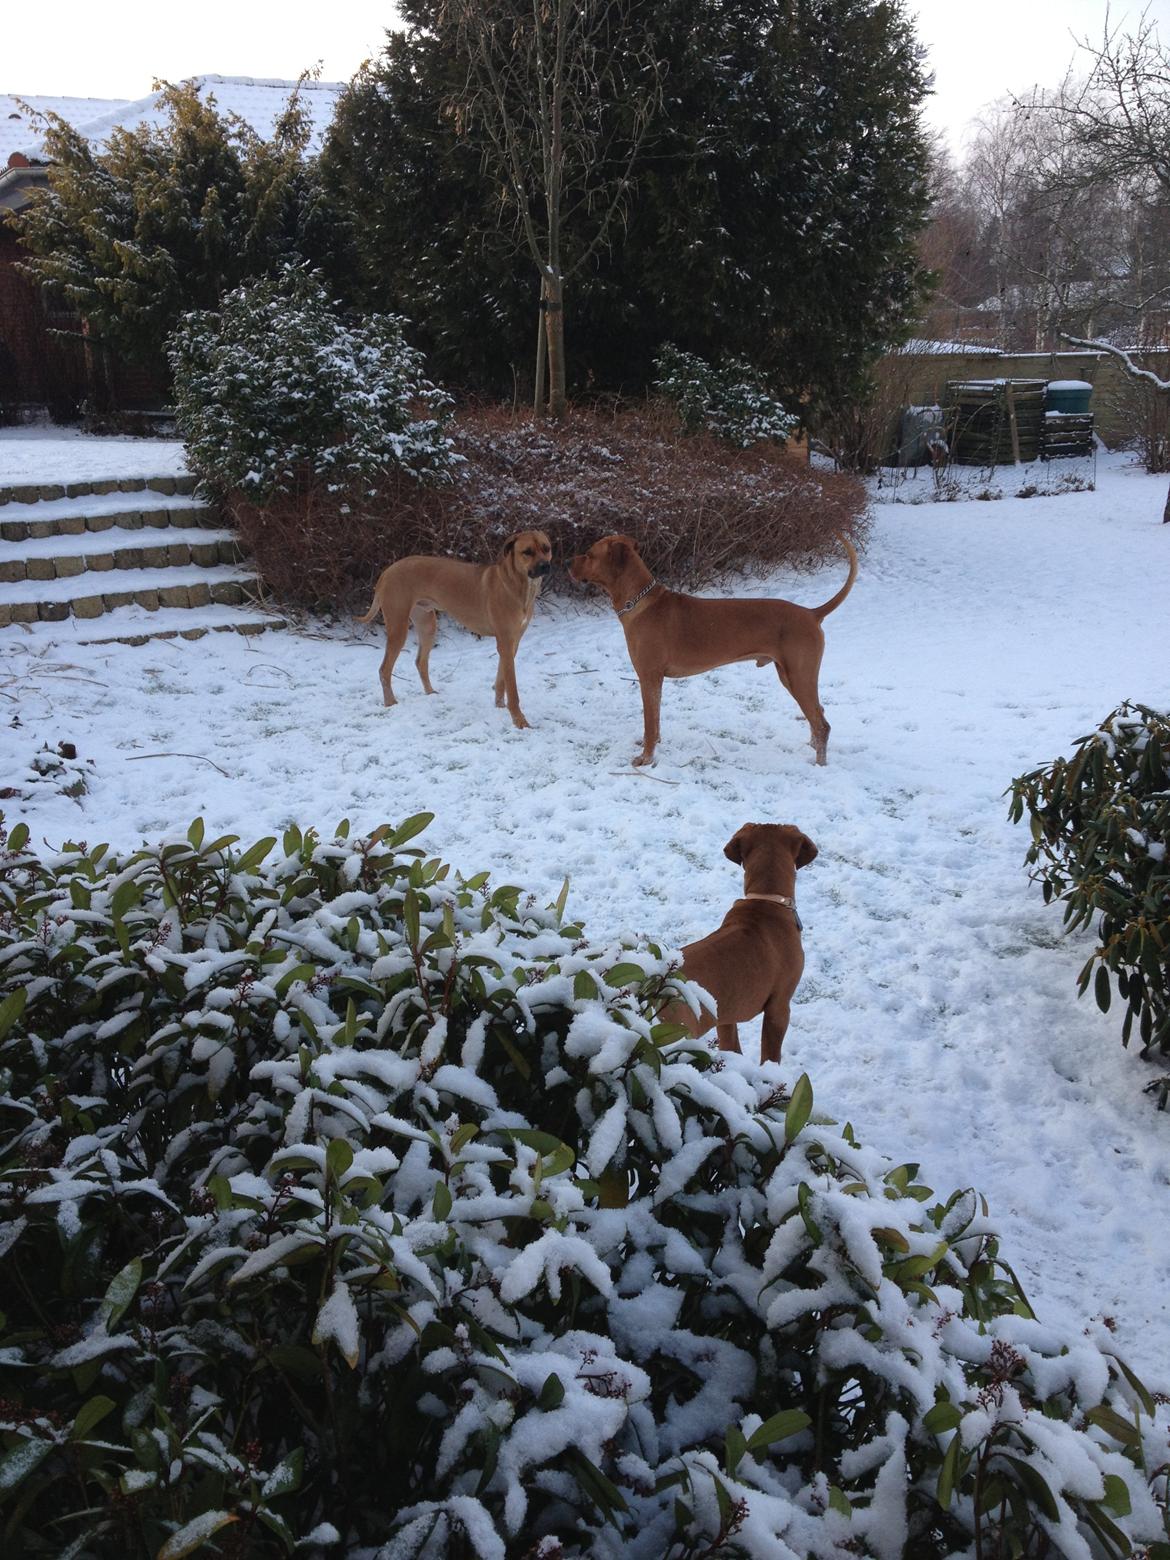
{"points": [[195, 833], [123, 1287], [194, 1534], [18, 838], [410, 916], [89, 1415], [942, 1417], [789, 1421], [734, 1446], [407, 831], [285, 1477], [303, 972], [624, 974], [949, 1472], [561, 900], [442, 1200], [338, 1158], [21, 1460], [1117, 1495], [799, 1109], [463, 1136], [1101, 988], [552, 1394], [1115, 1425], [584, 986], [1036, 1486], [255, 854], [839, 1501], [11, 1009]]}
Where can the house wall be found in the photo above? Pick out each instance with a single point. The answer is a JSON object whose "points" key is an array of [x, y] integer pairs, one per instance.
{"points": [[37, 369], [923, 377]]}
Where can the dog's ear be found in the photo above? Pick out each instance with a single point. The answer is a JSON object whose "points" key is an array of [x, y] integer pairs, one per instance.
{"points": [[509, 547], [634, 548], [806, 851], [733, 850]]}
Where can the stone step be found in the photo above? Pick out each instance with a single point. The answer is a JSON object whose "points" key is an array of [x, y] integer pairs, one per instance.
{"points": [[22, 522], [45, 492], [57, 557], [52, 601], [134, 625]]}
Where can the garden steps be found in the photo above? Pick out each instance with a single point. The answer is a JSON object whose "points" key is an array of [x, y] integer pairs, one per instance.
{"points": [[114, 554]]}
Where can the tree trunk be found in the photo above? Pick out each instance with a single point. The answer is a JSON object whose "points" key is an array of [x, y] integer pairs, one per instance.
{"points": [[1166, 511], [541, 337], [554, 325]]}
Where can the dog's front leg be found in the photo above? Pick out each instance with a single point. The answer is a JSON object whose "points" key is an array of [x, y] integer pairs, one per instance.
{"points": [[728, 1036], [651, 705], [506, 682]]}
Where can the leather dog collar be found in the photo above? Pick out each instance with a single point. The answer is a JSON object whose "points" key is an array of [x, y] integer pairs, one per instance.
{"points": [[780, 899], [634, 600]]}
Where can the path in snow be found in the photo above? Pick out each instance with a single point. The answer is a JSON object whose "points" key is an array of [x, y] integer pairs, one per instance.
{"points": [[938, 1009]]}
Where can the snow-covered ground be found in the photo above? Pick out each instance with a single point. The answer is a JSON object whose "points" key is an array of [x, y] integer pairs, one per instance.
{"points": [[938, 1010]]}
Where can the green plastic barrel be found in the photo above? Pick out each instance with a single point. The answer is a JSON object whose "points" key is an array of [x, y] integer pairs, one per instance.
{"points": [[1067, 395]]}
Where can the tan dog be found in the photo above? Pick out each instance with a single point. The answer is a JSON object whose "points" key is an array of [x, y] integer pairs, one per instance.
{"points": [[753, 963], [495, 599], [672, 635]]}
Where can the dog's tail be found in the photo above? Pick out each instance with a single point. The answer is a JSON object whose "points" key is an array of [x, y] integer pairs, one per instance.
{"points": [[375, 605], [835, 601]]}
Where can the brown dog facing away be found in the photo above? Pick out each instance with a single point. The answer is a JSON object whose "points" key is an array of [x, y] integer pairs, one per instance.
{"points": [[672, 635], [753, 963], [496, 599]]}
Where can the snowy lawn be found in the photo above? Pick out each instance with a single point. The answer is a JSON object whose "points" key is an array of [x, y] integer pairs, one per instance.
{"points": [[938, 1010]]}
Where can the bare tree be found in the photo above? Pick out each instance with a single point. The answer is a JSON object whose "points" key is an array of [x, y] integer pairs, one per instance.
{"points": [[564, 94], [1142, 376], [1121, 113]]}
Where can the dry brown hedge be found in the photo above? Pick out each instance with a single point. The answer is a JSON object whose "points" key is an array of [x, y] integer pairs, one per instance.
{"points": [[698, 508]]}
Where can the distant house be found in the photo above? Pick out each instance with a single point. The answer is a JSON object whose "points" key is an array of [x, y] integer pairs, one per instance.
{"points": [[42, 370]]}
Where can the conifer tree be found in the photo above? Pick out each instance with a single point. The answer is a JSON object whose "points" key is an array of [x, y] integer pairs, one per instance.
{"points": [[772, 212], [164, 220]]}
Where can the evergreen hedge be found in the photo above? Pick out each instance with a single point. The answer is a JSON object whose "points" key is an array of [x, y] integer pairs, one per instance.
{"points": [[355, 1206]]}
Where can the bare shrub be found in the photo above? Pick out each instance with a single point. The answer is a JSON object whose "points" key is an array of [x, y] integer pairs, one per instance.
{"points": [[1144, 412], [862, 434], [699, 509]]}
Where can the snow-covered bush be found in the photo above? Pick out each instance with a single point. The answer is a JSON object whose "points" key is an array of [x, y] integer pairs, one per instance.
{"points": [[349, 1203], [277, 391], [1100, 832], [728, 399]]}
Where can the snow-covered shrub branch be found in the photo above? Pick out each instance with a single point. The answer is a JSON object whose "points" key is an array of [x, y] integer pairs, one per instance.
{"points": [[276, 391], [350, 1203], [1100, 831], [728, 399]]}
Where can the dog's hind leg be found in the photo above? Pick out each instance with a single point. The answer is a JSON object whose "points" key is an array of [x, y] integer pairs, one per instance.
{"points": [[775, 1027], [426, 626], [801, 682], [396, 627]]}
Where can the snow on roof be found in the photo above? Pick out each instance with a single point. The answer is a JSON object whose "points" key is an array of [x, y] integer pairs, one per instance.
{"points": [[257, 101], [920, 347], [18, 129]]}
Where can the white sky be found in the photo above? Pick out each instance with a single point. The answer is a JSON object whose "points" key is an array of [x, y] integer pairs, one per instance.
{"points": [[86, 48]]}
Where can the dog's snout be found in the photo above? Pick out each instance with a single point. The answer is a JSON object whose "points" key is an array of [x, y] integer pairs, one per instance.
{"points": [[540, 569]]}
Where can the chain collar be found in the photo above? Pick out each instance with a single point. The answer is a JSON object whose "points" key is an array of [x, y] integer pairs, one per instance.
{"points": [[634, 600]]}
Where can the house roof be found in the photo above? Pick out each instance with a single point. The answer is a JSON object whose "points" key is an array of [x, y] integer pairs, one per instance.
{"points": [[259, 102], [18, 129]]}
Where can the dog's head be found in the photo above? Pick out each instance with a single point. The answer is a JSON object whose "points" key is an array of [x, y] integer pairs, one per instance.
{"points": [[528, 552], [765, 847], [605, 562]]}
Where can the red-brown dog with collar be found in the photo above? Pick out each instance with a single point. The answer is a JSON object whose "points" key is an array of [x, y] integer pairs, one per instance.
{"points": [[488, 598], [753, 963], [672, 635]]}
